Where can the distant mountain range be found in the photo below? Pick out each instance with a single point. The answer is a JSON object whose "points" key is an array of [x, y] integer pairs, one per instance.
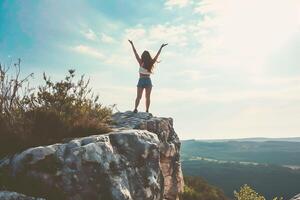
{"points": [[255, 139], [270, 165]]}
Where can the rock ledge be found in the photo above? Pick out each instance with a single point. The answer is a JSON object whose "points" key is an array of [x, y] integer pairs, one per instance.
{"points": [[138, 160]]}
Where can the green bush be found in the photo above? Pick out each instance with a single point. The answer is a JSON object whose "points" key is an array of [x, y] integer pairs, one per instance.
{"points": [[247, 193], [49, 113], [197, 189]]}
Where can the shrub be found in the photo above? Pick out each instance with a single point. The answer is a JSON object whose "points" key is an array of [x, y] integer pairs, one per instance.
{"points": [[247, 193], [197, 189], [49, 113]]}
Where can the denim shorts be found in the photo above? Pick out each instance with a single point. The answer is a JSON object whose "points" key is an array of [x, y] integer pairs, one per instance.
{"points": [[144, 82]]}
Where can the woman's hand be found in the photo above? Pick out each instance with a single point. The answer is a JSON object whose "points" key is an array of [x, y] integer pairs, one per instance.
{"points": [[130, 41], [163, 45], [157, 54]]}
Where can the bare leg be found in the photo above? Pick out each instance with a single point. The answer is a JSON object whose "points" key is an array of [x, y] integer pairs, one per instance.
{"points": [[148, 93], [139, 93]]}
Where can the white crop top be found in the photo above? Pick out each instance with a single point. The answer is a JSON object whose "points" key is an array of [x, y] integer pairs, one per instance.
{"points": [[142, 70]]}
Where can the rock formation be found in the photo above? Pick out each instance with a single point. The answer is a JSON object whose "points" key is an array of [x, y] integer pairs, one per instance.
{"points": [[6, 195], [138, 160], [169, 146], [297, 197]]}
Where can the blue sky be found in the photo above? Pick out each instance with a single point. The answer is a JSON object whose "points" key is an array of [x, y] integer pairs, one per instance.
{"points": [[231, 69]]}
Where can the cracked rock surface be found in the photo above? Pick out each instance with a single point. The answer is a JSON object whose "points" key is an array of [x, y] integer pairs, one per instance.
{"points": [[6, 195], [297, 197], [138, 160]]}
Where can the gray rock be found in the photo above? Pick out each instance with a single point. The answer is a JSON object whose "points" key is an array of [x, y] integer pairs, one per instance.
{"points": [[297, 197], [139, 160], [169, 146], [6, 195]]}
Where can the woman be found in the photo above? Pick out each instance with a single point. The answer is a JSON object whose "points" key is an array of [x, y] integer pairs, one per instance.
{"points": [[146, 64]]}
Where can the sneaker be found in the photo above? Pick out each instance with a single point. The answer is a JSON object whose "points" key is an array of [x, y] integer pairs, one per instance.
{"points": [[135, 110]]}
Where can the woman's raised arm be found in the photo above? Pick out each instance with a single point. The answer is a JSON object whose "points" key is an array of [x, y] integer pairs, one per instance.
{"points": [[156, 56], [135, 53]]}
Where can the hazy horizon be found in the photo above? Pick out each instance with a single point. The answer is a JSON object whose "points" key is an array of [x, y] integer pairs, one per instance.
{"points": [[248, 138], [231, 69]]}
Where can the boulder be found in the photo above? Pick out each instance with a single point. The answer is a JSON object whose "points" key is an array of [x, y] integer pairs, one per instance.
{"points": [[169, 145], [6, 195], [297, 197], [138, 160]]}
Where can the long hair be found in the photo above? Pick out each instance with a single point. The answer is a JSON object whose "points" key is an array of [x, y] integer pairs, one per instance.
{"points": [[148, 61]]}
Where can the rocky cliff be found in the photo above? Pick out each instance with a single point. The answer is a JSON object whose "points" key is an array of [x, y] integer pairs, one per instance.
{"points": [[138, 160], [297, 197], [6, 195]]}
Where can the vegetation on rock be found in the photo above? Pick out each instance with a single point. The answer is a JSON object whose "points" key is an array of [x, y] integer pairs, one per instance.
{"points": [[196, 188], [48, 113], [247, 193]]}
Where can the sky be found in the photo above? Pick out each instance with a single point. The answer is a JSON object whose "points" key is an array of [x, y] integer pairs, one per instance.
{"points": [[231, 69]]}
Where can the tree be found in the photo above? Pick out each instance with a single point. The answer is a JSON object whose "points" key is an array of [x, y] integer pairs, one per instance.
{"points": [[247, 193]]}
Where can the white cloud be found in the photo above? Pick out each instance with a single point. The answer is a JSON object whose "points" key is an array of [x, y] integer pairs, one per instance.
{"points": [[169, 4], [169, 33], [210, 7], [158, 34], [90, 35], [87, 50], [107, 39], [195, 75], [135, 33], [122, 61], [272, 120], [276, 81], [246, 31]]}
